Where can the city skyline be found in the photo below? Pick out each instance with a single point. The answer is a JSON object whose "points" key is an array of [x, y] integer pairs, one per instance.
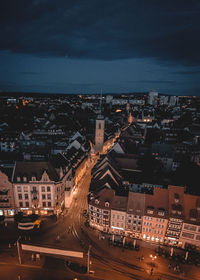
{"points": [[81, 47]]}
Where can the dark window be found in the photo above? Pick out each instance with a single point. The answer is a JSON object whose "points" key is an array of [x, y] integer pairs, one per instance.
{"points": [[27, 204], [49, 204], [44, 204], [44, 196], [48, 196], [20, 196], [26, 196], [48, 189], [21, 204], [99, 125]]}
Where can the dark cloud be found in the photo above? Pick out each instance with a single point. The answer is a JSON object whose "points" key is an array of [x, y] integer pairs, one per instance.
{"points": [[103, 30]]}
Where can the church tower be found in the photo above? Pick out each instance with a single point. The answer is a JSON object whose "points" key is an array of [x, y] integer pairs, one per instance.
{"points": [[99, 130], [99, 134]]}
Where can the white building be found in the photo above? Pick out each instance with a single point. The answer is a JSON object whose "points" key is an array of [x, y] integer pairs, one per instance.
{"points": [[37, 188], [153, 96]]}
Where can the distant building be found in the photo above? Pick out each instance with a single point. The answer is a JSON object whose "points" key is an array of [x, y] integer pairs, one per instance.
{"points": [[164, 100], [173, 100], [153, 96]]}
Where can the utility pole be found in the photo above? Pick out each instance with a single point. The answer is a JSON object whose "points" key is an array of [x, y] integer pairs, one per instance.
{"points": [[18, 251], [88, 260]]}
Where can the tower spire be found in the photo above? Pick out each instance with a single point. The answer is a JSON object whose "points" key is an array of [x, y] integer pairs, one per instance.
{"points": [[101, 102]]}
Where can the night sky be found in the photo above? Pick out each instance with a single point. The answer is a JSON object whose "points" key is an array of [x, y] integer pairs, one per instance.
{"points": [[81, 46]]}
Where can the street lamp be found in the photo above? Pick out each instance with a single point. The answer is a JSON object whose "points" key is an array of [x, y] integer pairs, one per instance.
{"points": [[153, 257]]}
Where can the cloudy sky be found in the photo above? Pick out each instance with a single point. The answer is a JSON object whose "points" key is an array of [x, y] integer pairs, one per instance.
{"points": [[81, 46]]}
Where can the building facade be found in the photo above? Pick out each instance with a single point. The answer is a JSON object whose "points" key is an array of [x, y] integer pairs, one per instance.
{"points": [[37, 188]]}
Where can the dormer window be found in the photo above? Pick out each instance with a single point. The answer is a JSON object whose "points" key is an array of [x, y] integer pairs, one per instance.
{"points": [[176, 197], [150, 210], [107, 204], [33, 178], [24, 179], [161, 213], [96, 201], [18, 179], [179, 212], [193, 214]]}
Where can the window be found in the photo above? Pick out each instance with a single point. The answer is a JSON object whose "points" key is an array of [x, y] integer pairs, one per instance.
{"points": [[106, 204], [44, 203], [198, 237], [33, 178], [27, 204], [26, 196], [190, 227], [43, 196], [20, 196], [161, 213], [99, 125], [18, 179], [21, 204], [43, 189], [49, 203], [19, 189], [48, 189], [48, 196], [24, 179], [25, 189], [188, 235]]}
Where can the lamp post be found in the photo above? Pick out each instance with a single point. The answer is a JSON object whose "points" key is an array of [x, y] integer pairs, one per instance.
{"points": [[18, 251], [153, 258], [88, 260]]}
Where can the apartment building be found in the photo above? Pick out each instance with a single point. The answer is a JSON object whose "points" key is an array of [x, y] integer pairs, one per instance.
{"points": [[176, 214], [37, 188], [100, 210], [190, 233], [167, 216], [155, 219], [118, 215], [134, 214]]}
